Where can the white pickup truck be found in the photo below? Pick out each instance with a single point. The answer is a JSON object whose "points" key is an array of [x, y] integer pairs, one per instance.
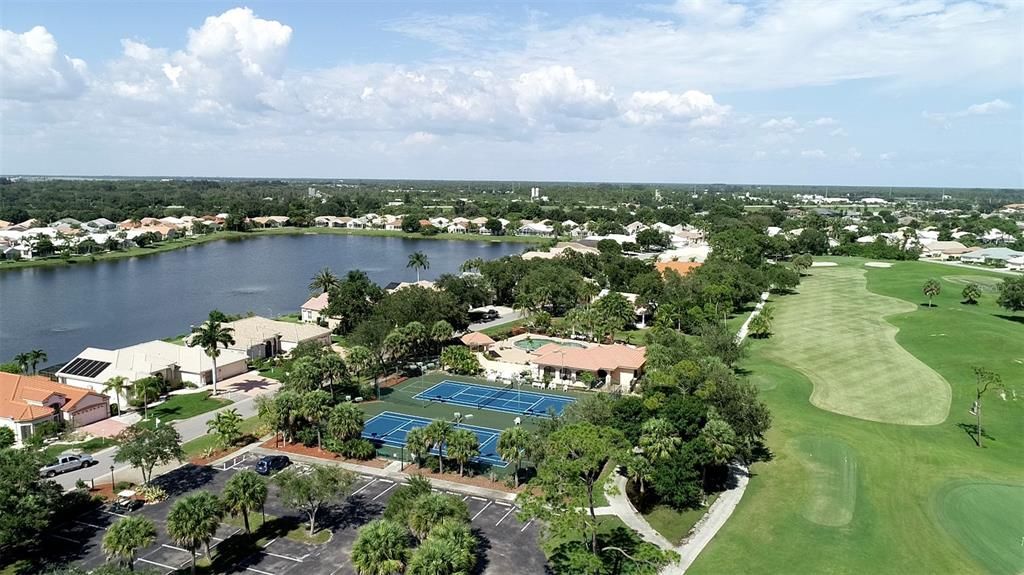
{"points": [[67, 462]]}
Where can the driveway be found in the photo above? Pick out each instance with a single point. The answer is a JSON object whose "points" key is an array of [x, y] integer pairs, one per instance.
{"points": [[506, 317]]}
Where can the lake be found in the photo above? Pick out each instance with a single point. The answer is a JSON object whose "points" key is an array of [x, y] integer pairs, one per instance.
{"points": [[110, 304]]}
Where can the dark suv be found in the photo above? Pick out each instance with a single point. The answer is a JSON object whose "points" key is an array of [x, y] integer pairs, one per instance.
{"points": [[271, 463]]}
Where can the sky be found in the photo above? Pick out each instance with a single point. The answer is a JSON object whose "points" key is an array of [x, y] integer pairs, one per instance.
{"points": [[836, 92]]}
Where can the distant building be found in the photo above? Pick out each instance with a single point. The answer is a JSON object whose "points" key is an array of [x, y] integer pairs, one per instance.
{"points": [[27, 401]]}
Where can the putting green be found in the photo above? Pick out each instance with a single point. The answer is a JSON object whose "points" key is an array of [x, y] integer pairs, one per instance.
{"points": [[836, 334], [830, 495], [987, 519], [985, 283]]}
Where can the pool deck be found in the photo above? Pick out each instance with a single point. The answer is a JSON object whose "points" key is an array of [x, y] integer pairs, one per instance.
{"points": [[515, 355]]}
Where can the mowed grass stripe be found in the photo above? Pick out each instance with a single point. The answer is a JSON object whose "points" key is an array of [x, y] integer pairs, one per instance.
{"points": [[836, 333]]}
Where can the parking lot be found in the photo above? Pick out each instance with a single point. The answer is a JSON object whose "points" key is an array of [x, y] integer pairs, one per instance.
{"points": [[507, 544]]}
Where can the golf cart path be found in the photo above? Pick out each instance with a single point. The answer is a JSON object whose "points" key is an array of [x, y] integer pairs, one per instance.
{"points": [[708, 525]]}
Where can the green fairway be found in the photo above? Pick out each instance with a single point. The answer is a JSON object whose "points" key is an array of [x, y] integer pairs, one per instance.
{"points": [[831, 490], [839, 338], [906, 517], [988, 284], [987, 519]]}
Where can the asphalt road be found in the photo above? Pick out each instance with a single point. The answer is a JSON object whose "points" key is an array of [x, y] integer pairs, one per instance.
{"points": [[507, 318], [189, 429]]}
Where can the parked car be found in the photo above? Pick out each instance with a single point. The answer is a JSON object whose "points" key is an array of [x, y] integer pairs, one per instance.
{"points": [[67, 462], [271, 463]]}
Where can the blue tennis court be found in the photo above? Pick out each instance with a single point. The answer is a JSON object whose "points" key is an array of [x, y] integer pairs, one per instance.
{"points": [[390, 428], [505, 399]]}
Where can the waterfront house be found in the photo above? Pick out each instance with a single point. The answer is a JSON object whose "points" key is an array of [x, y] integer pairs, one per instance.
{"points": [[27, 401], [99, 225], [259, 337], [313, 311]]}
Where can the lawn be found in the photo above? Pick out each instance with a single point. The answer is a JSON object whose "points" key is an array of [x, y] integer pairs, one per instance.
{"points": [[199, 445], [89, 446], [186, 405], [847, 495], [287, 527], [675, 525]]}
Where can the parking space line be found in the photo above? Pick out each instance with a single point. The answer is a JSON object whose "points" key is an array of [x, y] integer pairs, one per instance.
{"points": [[89, 525], [525, 526], [282, 556], [465, 498], [269, 542], [481, 511], [175, 548], [112, 513], [507, 513], [157, 564], [255, 570], [357, 491], [478, 498], [503, 504], [66, 538], [390, 487], [385, 480]]}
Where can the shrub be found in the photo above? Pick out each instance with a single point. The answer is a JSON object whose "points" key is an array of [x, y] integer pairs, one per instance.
{"points": [[306, 436], [152, 493], [351, 448]]}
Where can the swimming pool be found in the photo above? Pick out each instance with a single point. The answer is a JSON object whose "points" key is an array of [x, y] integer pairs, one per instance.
{"points": [[535, 343]]}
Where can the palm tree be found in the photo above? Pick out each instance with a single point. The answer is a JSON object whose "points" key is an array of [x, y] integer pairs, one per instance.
{"points": [[971, 293], [363, 363], [435, 557], [429, 511], [438, 431], [146, 390], [316, 408], [512, 446], [472, 264], [345, 421], [23, 360], [244, 492], [441, 332], [333, 368], [418, 442], [720, 439], [210, 336], [118, 385], [35, 357], [463, 446], [395, 345], [418, 261], [415, 334], [462, 553], [931, 289], [381, 548], [124, 539], [658, 439], [192, 522], [227, 426], [323, 281], [639, 470]]}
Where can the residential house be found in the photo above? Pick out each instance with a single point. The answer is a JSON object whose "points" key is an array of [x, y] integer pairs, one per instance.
{"points": [[313, 311], [394, 225], [944, 250], [395, 286], [990, 256], [635, 228], [615, 365], [99, 225], [558, 250], [269, 221], [27, 401], [259, 337], [528, 228]]}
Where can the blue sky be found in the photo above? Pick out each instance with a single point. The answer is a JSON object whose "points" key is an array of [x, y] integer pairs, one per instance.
{"points": [[923, 92]]}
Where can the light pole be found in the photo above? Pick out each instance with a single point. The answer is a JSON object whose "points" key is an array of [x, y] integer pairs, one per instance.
{"points": [[111, 479]]}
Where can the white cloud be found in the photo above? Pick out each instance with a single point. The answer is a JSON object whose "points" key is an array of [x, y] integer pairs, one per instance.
{"points": [[31, 67], [713, 12], [886, 156], [825, 121], [556, 95], [853, 154], [787, 124], [983, 109], [696, 108], [817, 154], [419, 138], [839, 133]]}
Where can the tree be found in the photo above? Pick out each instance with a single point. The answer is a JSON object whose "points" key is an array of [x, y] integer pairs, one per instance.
{"points": [[310, 491], [316, 408], [35, 357], [210, 336], [931, 288], [639, 470], [437, 556], [1011, 294], [23, 360], [463, 446], [615, 312], [460, 360], [118, 385], [717, 340], [652, 237], [430, 510], [418, 261], [345, 422], [760, 325], [27, 503], [438, 431], [720, 440], [802, 263], [571, 460], [226, 425], [323, 282], [400, 503], [125, 537], [494, 226], [381, 548], [6, 437], [193, 521], [512, 446], [146, 391], [418, 442], [983, 379], [971, 293], [658, 439], [246, 491], [145, 447], [441, 332]]}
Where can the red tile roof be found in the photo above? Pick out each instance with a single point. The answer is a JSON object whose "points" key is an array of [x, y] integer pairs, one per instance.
{"points": [[606, 357], [681, 268], [16, 391]]}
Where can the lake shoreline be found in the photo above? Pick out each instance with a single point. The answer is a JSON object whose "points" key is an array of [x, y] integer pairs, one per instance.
{"points": [[177, 244]]}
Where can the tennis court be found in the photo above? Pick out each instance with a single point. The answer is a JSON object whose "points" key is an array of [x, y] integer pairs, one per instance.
{"points": [[390, 428], [504, 399]]}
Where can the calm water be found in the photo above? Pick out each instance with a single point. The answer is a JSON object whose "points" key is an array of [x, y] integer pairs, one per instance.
{"points": [[123, 302]]}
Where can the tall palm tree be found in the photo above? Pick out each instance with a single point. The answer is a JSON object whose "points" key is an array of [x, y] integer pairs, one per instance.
{"points": [[192, 522], [345, 421], [381, 548], [512, 446], [364, 364], [639, 470], [226, 425], [244, 492], [463, 446], [441, 332], [323, 281], [210, 336], [316, 408], [35, 357], [931, 288], [23, 360], [720, 439], [418, 261], [658, 439], [415, 334], [418, 442], [118, 385], [429, 511], [147, 390], [395, 345], [123, 539], [438, 431]]}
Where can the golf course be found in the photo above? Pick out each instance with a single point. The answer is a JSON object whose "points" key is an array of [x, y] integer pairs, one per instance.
{"points": [[874, 464]]}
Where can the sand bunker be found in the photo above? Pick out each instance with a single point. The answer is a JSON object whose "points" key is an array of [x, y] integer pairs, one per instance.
{"points": [[824, 264], [878, 265]]}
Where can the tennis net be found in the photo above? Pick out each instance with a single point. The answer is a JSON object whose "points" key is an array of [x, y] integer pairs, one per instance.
{"points": [[487, 400]]}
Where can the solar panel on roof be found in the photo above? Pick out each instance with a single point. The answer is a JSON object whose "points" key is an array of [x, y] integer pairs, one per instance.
{"points": [[85, 367]]}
